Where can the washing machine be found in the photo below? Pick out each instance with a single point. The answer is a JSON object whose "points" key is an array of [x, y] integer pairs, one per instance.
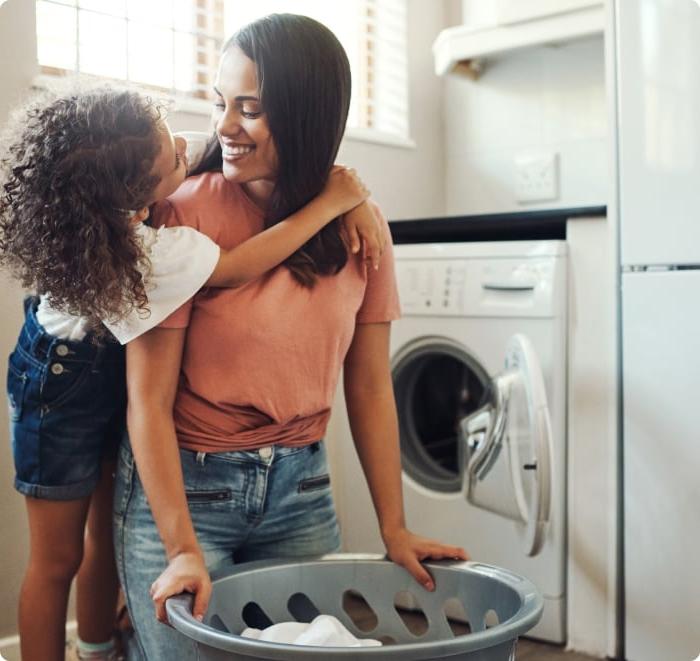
{"points": [[479, 370]]}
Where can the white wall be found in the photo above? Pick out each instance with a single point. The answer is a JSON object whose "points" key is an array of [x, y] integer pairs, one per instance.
{"points": [[406, 182], [409, 182], [17, 53], [539, 100], [592, 437]]}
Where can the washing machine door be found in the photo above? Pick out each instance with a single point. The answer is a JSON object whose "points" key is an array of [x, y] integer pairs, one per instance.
{"points": [[438, 383], [508, 447]]}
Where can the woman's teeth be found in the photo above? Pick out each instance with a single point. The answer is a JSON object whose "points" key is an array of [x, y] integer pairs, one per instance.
{"points": [[237, 150]]}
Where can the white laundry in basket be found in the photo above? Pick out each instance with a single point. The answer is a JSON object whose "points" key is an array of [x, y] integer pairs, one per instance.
{"points": [[322, 631]]}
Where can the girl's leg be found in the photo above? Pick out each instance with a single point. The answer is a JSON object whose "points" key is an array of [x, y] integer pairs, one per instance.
{"points": [[56, 548], [97, 582]]}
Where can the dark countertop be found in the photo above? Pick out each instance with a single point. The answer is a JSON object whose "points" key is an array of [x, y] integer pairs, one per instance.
{"points": [[516, 226]]}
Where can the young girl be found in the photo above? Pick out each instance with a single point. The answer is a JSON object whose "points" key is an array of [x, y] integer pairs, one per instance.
{"points": [[77, 183]]}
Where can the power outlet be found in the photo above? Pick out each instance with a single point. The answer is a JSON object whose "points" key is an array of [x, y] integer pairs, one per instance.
{"points": [[536, 177]]}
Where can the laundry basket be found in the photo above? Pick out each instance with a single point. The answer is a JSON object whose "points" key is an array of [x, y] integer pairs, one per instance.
{"points": [[498, 605]]}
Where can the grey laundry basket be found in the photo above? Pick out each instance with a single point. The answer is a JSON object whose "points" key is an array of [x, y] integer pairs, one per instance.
{"points": [[288, 590]]}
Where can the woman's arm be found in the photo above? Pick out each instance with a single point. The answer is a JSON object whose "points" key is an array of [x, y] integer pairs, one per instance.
{"points": [[153, 369], [343, 192], [369, 397]]}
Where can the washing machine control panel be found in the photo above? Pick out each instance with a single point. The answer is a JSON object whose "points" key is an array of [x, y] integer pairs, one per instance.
{"points": [[432, 287], [453, 287]]}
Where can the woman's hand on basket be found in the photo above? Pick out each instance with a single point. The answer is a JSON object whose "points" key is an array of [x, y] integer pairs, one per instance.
{"points": [[186, 572], [409, 550]]}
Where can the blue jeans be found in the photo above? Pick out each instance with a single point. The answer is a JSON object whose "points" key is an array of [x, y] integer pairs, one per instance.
{"points": [[67, 410], [246, 505]]}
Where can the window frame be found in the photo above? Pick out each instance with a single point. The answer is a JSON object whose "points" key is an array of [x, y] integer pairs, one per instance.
{"points": [[198, 102], [204, 37]]}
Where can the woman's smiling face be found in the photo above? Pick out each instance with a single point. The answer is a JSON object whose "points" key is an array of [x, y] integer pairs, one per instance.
{"points": [[248, 150]]}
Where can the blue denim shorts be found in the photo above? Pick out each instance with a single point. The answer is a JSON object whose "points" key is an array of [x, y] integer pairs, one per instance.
{"points": [[67, 410], [275, 502]]}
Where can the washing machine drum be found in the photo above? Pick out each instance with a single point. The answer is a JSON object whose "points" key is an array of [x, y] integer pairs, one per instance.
{"points": [[463, 430]]}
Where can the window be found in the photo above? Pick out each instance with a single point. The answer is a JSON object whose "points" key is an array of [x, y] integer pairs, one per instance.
{"points": [[174, 45], [373, 33]]}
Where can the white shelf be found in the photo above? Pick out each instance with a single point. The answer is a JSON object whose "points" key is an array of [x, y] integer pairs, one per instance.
{"points": [[463, 44]]}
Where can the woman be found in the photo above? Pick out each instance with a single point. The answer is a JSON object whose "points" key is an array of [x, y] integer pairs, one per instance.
{"points": [[243, 380]]}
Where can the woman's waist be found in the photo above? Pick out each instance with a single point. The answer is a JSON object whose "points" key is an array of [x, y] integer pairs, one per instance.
{"points": [[204, 426]]}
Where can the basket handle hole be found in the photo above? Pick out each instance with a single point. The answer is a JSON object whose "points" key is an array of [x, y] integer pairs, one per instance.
{"points": [[301, 608], [457, 617], [410, 612], [359, 611], [255, 617], [387, 640], [491, 619], [217, 623]]}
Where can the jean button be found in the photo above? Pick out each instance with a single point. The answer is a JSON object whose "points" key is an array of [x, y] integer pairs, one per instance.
{"points": [[265, 453], [62, 350], [57, 369]]}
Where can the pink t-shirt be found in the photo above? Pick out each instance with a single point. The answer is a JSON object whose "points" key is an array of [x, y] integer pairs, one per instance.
{"points": [[261, 362]]}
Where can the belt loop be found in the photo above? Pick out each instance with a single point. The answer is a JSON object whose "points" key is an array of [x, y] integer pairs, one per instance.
{"points": [[315, 446], [201, 456]]}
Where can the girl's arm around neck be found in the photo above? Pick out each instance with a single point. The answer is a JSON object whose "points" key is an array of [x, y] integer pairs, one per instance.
{"points": [[153, 368], [343, 192]]}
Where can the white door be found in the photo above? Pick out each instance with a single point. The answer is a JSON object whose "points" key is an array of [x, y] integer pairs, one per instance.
{"points": [[508, 447], [661, 372], [659, 134]]}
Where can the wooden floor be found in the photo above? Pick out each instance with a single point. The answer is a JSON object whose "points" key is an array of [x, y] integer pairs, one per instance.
{"points": [[530, 650]]}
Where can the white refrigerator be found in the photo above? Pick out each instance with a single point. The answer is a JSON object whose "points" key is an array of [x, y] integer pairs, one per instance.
{"points": [[658, 103]]}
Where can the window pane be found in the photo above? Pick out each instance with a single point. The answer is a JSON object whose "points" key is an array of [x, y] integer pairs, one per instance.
{"points": [[342, 18], [56, 35], [150, 55], [113, 7], [185, 62], [184, 15], [208, 51], [102, 45], [155, 12]]}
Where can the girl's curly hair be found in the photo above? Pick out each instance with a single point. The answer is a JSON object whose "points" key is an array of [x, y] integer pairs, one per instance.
{"points": [[74, 167]]}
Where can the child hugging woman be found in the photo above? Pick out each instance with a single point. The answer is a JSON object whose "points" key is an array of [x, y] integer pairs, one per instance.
{"points": [[76, 182]]}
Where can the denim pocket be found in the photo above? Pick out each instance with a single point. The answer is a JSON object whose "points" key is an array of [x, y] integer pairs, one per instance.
{"points": [[16, 386], [62, 381], [314, 483], [205, 496]]}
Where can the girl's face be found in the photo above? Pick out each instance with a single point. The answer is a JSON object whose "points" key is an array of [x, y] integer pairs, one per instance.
{"points": [[170, 164], [248, 150]]}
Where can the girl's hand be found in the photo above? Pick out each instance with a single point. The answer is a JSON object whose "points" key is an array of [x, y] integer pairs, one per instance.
{"points": [[361, 225], [408, 550], [344, 190], [186, 572]]}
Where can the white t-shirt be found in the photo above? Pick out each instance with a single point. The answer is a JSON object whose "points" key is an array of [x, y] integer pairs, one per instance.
{"points": [[182, 259]]}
